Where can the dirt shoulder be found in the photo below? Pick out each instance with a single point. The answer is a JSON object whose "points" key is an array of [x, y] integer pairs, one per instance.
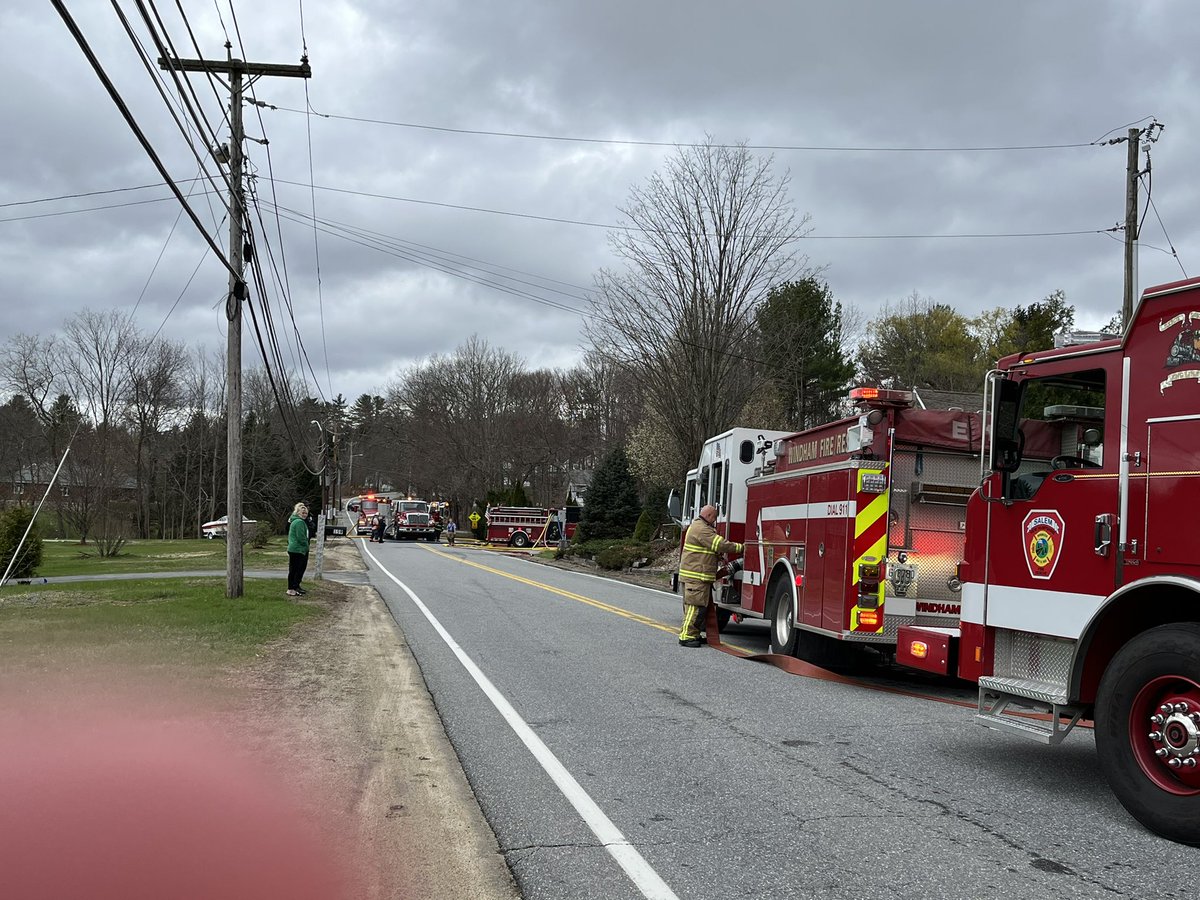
{"points": [[346, 701], [323, 753]]}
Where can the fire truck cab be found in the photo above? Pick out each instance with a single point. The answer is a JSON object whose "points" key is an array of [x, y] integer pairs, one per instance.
{"points": [[1081, 577]]}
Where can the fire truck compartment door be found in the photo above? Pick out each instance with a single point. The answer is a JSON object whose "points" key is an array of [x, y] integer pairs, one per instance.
{"points": [[1172, 491]]}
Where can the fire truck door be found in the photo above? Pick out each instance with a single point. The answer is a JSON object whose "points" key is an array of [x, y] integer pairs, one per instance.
{"points": [[1052, 557]]}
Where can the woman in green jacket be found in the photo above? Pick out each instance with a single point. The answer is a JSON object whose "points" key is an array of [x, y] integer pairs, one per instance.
{"points": [[297, 549]]}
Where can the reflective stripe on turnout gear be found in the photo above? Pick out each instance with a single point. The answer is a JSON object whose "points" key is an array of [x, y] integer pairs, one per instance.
{"points": [[692, 616], [701, 544]]}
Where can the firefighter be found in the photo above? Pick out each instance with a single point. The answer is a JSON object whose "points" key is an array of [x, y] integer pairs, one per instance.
{"points": [[698, 570]]}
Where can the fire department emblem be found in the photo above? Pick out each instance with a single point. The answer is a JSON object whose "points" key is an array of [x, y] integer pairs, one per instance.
{"points": [[1185, 349], [1042, 533]]}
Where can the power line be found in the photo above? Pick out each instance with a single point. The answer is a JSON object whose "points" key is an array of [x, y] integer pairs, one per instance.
{"points": [[71, 212], [383, 247], [535, 217], [614, 227], [631, 142], [1151, 204], [198, 118], [316, 242], [142, 139], [174, 305], [286, 295], [271, 170], [448, 257], [161, 253], [137, 187]]}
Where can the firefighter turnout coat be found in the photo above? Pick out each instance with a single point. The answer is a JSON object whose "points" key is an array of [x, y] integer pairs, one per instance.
{"points": [[701, 546]]}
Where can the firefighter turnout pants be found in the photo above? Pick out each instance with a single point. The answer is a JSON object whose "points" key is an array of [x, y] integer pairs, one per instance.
{"points": [[696, 597]]}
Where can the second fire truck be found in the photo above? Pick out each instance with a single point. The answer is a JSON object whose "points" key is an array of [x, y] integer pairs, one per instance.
{"points": [[1039, 546]]}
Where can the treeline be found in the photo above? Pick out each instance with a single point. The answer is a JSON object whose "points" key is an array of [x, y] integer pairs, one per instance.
{"points": [[713, 319]]}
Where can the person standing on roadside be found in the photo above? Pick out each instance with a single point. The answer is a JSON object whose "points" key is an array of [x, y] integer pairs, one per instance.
{"points": [[698, 570], [297, 549], [451, 530]]}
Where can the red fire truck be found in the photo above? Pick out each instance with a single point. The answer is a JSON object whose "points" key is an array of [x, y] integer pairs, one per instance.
{"points": [[412, 521], [524, 526], [1038, 547]]}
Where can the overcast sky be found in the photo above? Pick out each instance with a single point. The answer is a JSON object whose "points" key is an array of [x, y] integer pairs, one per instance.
{"points": [[861, 78]]}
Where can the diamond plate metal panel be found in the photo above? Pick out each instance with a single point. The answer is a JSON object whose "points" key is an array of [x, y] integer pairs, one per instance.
{"points": [[927, 519], [891, 630], [1033, 657]]}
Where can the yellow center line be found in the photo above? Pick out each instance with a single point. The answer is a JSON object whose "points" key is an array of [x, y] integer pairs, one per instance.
{"points": [[616, 610]]}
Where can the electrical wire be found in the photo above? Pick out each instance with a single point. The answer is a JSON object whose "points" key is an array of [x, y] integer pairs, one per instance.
{"points": [[375, 244], [630, 142], [200, 121], [133, 125], [171, 311], [71, 212], [286, 297], [426, 251], [316, 242], [616, 227], [161, 253], [316, 245], [137, 187], [1150, 205]]}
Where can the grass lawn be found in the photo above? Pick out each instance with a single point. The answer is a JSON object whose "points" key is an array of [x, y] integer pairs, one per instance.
{"points": [[70, 558], [185, 620]]}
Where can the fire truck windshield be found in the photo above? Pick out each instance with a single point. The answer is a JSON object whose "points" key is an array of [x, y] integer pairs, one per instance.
{"points": [[1061, 427]]}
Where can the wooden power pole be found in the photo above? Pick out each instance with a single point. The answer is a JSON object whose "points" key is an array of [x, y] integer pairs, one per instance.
{"points": [[1131, 224], [236, 69]]}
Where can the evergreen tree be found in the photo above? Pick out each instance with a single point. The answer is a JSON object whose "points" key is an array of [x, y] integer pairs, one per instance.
{"points": [[13, 522], [801, 333], [612, 508]]}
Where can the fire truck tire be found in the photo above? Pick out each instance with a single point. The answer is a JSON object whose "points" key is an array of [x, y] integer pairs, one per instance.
{"points": [[783, 624], [723, 617], [519, 540], [1148, 715]]}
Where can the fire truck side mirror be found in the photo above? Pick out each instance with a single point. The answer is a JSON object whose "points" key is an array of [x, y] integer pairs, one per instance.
{"points": [[1007, 453], [674, 505]]}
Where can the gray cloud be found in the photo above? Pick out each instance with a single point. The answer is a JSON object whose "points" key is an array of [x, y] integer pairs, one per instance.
{"points": [[850, 74]]}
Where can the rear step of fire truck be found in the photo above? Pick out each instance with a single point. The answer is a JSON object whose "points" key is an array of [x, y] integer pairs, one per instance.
{"points": [[998, 694]]}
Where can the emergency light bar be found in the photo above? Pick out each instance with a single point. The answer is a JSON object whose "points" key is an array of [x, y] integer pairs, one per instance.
{"points": [[862, 394]]}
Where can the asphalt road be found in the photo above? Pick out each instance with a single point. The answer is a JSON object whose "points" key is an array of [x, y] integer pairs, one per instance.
{"points": [[612, 763]]}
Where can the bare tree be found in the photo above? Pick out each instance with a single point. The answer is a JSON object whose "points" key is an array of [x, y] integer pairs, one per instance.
{"points": [[456, 411], [154, 401], [706, 240], [96, 361], [31, 365]]}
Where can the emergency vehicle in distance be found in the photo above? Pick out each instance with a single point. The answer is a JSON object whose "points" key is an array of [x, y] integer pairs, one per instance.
{"points": [[412, 521], [524, 526], [368, 506], [1039, 547]]}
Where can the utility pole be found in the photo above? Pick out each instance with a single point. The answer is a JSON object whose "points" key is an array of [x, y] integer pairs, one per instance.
{"points": [[236, 69], [337, 468], [1131, 212], [1133, 172]]}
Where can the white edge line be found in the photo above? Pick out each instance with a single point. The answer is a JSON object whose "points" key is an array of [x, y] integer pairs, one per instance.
{"points": [[627, 857]]}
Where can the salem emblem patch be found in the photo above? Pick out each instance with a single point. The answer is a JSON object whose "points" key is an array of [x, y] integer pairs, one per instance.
{"points": [[1042, 533]]}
